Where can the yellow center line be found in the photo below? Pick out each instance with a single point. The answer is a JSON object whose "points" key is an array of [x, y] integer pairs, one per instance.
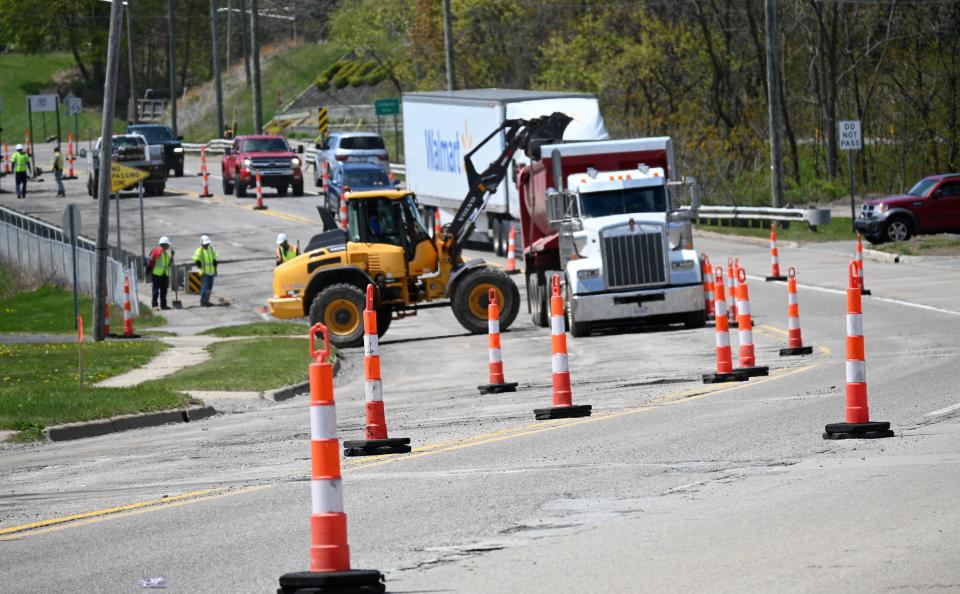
{"points": [[823, 350], [249, 207]]}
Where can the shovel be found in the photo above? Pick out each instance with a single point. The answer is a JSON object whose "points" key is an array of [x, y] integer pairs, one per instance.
{"points": [[177, 304]]}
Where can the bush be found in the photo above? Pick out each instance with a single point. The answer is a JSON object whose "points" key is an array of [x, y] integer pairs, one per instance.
{"points": [[340, 81], [356, 80], [374, 77], [322, 82]]}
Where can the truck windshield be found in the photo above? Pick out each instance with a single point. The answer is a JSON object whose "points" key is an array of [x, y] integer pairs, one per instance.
{"points": [[922, 187], [362, 143], [625, 201], [120, 142], [266, 145], [154, 133]]}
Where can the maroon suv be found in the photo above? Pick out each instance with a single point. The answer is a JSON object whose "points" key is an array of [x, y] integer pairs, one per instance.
{"points": [[931, 206]]}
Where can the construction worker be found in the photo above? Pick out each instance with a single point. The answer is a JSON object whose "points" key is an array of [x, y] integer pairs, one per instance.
{"points": [[159, 267], [57, 168], [21, 166], [284, 250], [205, 258], [228, 132]]}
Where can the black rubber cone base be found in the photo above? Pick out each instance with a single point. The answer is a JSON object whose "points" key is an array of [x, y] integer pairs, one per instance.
{"points": [[514, 271], [789, 352], [770, 279], [377, 447], [866, 292], [869, 430], [498, 388], [124, 336], [754, 371], [719, 378], [353, 581], [563, 412], [259, 208], [207, 195]]}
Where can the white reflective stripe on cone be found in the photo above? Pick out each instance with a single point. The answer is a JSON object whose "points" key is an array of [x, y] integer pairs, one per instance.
{"points": [[743, 307], [773, 260], [127, 314], [373, 389], [371, 345], [493, 326], [745, 336], [323, 421], [793, 323], [556, 325], [560, 363], [792, 299], [710, 296], [495, 356], [326, 496], [856, 372], [721, 308], [723, 339], [854, 324]]}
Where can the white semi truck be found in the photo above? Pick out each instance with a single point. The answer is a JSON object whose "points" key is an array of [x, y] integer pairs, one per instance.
{"points": [[441, 127]]}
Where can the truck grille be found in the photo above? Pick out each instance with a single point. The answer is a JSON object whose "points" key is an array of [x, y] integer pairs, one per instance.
{"points": [[270, 163], [634, 259], [866, 211]]}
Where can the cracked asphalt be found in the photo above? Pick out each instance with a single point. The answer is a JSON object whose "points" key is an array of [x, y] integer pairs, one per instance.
{"points": [[671, 486]]}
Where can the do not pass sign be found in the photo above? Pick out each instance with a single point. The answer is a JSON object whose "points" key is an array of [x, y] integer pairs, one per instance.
{"points": [[850, 139]]}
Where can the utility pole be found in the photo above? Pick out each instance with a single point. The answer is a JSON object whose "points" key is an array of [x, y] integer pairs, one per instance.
{"points": [[244, 40], [172, 46], [132, 101], [216, 66], [255, 50], [106, 151], [229, 31], [448, 45], [773, 105]]}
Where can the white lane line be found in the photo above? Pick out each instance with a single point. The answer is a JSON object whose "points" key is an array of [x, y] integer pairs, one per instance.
{"points": [[871, 298], [944, 410]]}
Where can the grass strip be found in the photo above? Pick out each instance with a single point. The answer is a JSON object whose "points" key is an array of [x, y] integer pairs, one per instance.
{"points": [[839, 229], [49, 310], [261, 329], [928, 245]]}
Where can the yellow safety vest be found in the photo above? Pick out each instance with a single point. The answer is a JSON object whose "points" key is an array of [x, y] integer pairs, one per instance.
{"points": [[206, 258], [57, 162], [286, 254], [19, 161], [162, 265]]}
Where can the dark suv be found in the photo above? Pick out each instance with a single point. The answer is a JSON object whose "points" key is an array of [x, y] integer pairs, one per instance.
{"points": [[931, 206], [158, 134]]}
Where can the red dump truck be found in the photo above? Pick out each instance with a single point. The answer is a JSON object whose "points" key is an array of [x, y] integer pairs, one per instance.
{"points": [[606, 216]]}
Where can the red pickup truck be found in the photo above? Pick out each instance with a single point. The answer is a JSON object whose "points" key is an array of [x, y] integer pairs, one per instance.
{"points": [[931, 206], [270, 156]]}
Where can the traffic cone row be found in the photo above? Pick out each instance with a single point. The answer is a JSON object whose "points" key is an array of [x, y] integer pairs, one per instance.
{"points": [[512, 251], [497, 383], [708, 287], [747, 359], [329, 549], [377, 441], [725, 372], [203, 171], [259, 205], [563, 406], [774, 256]]}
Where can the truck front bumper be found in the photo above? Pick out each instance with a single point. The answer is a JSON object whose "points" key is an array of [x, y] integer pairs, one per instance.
{"points": [[870, 227], [632, 305], [285, 308]]}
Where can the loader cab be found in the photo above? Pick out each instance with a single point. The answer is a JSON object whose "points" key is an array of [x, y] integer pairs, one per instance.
{"points": [[391, 218]]}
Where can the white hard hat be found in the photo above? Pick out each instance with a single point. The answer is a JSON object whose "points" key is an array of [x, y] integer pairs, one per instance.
{"points": [[204, 240], [164, 240], [281, 238], [19, 147]]}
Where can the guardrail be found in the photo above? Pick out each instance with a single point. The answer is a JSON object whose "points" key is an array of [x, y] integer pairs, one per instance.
{"points": [[737, 215]]}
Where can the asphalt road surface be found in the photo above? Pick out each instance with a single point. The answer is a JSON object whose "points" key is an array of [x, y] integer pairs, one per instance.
{"points": [[671, 486]]}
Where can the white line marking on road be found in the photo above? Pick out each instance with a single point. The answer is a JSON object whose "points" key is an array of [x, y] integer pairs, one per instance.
{"points": [[944, 410], [872, 298]]}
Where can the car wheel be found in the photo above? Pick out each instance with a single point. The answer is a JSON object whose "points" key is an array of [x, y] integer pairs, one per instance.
{"points": [[340, 308], [471, 294], [91, 187], [282, 190], [897, 230], [239, 190], [178, 172], [498, 247], [696, 319], [298, 189], [227, 186], [577, 329], [535, 300]]}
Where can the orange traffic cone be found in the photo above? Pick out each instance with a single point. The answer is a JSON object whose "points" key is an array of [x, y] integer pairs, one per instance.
{"points": [[793, 319], [127, 310], [859, 258], [436, 223], [324, 176], [563, 406], [70, 174], [260, 205], [497, 383], [203, 171], [858, 423], [747, 359], [6, 159], [774, 257], [329, 550], [708, 289], [732, 297], [377, 441], [725, 372], [343, 211], [512, 251], [106, 319]]}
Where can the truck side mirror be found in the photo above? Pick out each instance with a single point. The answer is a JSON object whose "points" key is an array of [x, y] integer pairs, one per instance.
{"points": [[300, 149], [83, 153]]}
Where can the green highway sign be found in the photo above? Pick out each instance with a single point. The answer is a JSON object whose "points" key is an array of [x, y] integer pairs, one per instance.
{"points": [[387, 106]]}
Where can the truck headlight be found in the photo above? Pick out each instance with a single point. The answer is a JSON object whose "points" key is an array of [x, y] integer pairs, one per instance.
{"points": [[675, 238], [587, 274], [246, 163], [580, 242], [881, 207], [178, 149], [682, 265], [295, 162]]}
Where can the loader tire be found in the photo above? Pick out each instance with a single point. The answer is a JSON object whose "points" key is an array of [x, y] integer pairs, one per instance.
{"points": [[339, 307], [471, 297]]}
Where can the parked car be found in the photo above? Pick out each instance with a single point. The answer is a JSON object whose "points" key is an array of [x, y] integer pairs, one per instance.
{"points": [[931, 206], [134, 151], [354, 177], [160, 135], [341, 147], [270, 156]]}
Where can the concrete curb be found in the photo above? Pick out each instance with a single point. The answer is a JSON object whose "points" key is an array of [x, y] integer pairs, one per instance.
{"points": [[743, 238], [69, 431], [882, 256], [288, 392]]}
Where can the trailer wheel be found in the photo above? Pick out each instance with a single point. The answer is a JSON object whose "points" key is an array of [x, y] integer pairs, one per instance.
{"points": [[471, 297], [577, 329], [535, 299], [695, 319], [339, 307]]}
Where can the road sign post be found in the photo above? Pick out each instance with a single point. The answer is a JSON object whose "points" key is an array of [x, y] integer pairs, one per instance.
{"points": [[71, 227], [121, 178], [385, 107], [851, 140], [74, 107]]}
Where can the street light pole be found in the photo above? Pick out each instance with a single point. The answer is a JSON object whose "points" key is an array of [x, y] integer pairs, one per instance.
{"points": [[448, 45], [172, 47], [255, 50], [216, 66], [106, 151], [132, 101], [773, 105]]}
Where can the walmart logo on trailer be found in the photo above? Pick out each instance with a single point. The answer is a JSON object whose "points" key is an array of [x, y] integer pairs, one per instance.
{"points": [[442, 155]]}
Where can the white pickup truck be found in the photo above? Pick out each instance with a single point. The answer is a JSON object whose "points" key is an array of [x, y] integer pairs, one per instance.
{"points": [[131, 150]]}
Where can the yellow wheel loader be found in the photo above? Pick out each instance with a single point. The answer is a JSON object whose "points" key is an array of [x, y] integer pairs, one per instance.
{"points": [[387, 244]]}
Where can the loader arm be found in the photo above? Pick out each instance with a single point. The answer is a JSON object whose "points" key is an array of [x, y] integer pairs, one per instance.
{"points": [[527, 135]]}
